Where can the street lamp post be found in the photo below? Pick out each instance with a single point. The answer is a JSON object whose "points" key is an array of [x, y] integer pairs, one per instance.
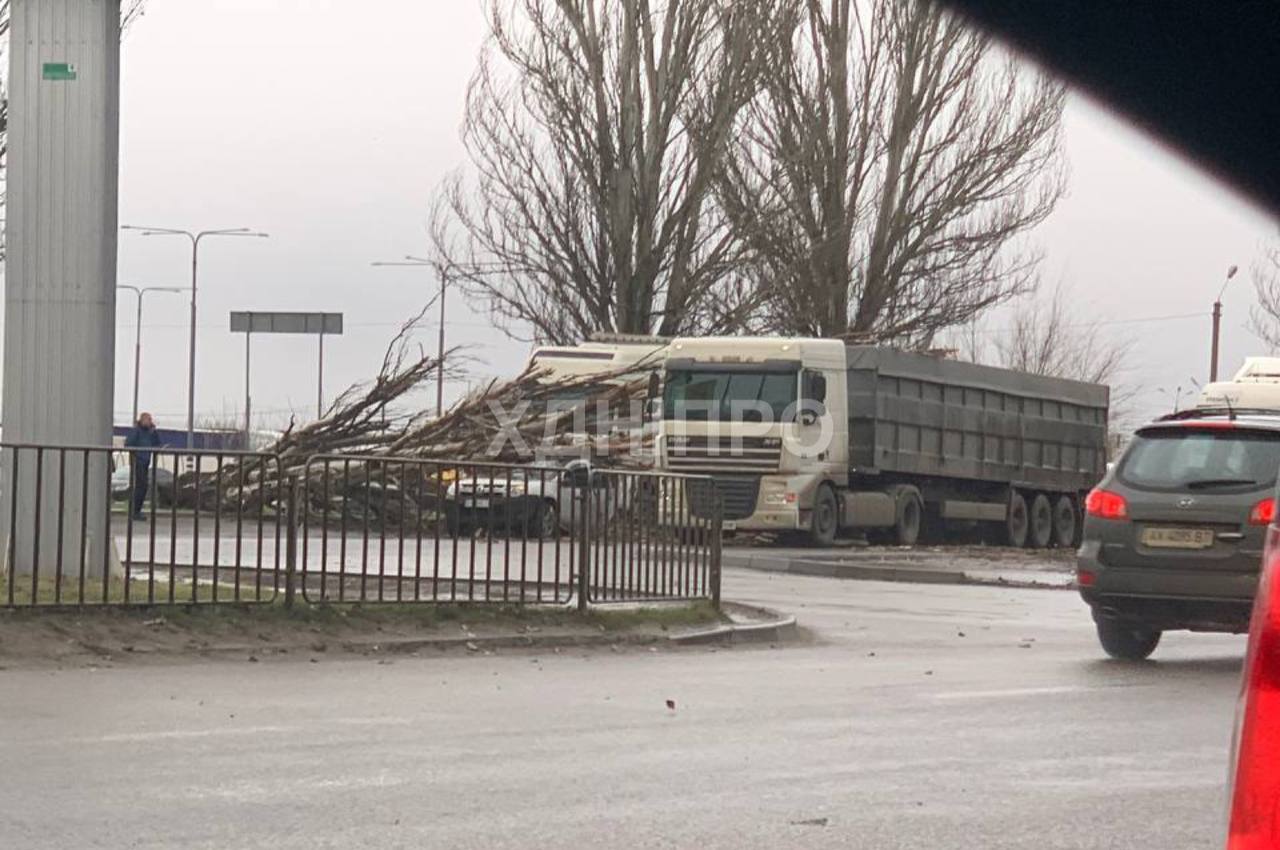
{"points": [[195, 237], [418, 261], [140, 291], [1217, 323]]}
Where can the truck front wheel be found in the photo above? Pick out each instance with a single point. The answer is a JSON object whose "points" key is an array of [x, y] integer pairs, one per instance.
{"points": [[822, 527]]}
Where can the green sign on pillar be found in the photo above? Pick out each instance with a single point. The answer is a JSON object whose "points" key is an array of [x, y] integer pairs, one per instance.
{"points": [[59, 71]]}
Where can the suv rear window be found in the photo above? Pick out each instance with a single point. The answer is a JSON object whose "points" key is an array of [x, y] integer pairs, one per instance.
{"points": [[1208, 458]]}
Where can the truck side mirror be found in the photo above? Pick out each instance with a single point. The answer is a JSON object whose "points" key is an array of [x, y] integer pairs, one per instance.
{"points": [[816, 387], [653, 410]]}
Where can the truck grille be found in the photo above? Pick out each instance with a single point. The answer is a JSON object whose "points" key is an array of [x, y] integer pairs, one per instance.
{"points": [[723, 454], [738, 495]]}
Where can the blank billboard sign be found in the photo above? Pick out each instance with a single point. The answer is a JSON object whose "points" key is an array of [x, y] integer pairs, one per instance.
{"points": [[329, 324]]}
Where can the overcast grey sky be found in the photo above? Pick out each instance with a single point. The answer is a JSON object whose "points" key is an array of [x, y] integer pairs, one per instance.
{"points": [[327, 124]]}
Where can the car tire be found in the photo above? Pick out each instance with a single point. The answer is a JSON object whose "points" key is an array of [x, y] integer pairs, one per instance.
{"points": [[1127, 641], [1040, 518], [1017, 523], [543, 521], [909, 518], [825, 519], [1066, 520], [458, 527]]}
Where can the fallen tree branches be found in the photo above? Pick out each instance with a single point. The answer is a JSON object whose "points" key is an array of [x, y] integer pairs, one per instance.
{"points": [[526, 419]]}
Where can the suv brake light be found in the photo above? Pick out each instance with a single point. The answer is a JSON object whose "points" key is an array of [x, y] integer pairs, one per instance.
{"points": [[1263, 513], [1255, 781], [1106, 505]]}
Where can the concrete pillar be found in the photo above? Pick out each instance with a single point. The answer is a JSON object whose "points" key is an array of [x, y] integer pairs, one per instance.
{"points": [[59, 332]]}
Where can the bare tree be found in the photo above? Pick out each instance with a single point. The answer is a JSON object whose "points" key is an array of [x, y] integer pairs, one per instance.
{"points": [[1046, 335], [883, 176], [593, 130], [1264, 318]]}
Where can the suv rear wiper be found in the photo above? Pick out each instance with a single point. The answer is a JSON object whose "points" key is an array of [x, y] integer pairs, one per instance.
{"points": [[1218, 482]]}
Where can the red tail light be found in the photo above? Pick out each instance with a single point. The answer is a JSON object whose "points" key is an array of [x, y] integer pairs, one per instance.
{"points": [[1106, 505], [1263, 513], [1255, 785]]}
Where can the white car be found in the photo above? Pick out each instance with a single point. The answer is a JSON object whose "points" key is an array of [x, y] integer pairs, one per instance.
{"points": [[536, 501]]}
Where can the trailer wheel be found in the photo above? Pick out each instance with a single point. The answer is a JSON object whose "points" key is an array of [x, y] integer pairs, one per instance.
{"points": [[910, 516], [1064, 522], [1017, 523], [822, 531], [1041, 522]]}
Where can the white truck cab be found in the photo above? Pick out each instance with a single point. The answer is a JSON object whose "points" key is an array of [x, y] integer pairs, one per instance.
{"points": [[768, 415], [622, 358], [601, 353]]}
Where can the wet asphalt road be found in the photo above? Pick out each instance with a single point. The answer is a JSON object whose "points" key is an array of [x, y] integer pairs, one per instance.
{"points": [[918, 717]]}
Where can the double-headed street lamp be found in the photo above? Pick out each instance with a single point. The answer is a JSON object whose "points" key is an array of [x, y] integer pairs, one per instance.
{"points": [[418, 261], [195, 237], [140, 291]]}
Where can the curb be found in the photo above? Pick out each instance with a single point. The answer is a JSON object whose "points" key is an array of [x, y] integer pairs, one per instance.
{"points": [[875, 572], [769, 626], [405, 646]]}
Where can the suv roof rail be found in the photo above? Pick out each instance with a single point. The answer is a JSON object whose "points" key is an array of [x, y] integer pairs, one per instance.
{"points": [[1210, 412]]}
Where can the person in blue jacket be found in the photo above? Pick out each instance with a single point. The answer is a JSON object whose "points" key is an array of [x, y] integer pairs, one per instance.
{"points": [[143, 436]]}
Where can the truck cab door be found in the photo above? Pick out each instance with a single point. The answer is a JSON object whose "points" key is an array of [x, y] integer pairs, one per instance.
{"points": [[813, 423]]}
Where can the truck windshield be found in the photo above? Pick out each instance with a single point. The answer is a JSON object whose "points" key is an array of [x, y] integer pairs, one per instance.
{"points": [[703, 395], [1202, 459]]}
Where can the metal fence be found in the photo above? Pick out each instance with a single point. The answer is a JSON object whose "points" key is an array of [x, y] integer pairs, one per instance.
{"points": [[103, 526], [399, 529], [652, 536], [218, 527]]}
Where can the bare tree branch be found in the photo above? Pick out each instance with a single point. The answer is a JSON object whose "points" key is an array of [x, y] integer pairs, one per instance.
{"points": [[883, 176], [594, 130], [1264, 318], [1045, 336]]}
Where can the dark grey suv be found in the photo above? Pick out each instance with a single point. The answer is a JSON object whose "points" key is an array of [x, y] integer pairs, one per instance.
{"points": [[1173, 535]]}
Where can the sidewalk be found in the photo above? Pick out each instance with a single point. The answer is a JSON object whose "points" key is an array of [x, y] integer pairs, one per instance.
{"points": [[987, 565]]}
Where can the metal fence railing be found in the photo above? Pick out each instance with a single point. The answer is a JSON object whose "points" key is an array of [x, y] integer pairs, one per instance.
{"points": [[394, 529], [653, 536], [101, 526], [399, 529]]}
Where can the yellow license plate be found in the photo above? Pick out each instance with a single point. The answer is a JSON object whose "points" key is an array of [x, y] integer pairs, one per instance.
{"points": [[1177, 538]]}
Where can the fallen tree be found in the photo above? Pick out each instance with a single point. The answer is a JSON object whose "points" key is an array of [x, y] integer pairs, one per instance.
{"points": [[395, 459]]}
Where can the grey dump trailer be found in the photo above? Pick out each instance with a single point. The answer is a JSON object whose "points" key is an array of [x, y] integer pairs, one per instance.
{"points": [[979, 443], [896, 445]]}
